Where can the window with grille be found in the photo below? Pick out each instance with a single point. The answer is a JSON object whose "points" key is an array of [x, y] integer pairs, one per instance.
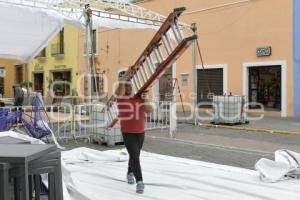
{"points": [[184, 79], [94, 42], [58, 48], [61, 41]]}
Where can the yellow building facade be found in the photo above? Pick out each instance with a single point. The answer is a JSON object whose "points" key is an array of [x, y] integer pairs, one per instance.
{"points": [[57, 62]]}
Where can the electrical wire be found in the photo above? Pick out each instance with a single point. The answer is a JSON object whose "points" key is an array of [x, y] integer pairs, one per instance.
{"points": [[229, 24], [218, 7]]}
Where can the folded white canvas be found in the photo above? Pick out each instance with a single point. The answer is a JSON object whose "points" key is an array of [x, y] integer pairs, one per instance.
{"points": [[285, 166]]}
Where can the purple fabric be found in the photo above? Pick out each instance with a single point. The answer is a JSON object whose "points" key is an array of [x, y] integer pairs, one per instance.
{"points": [[34, 131], [4, 111], [8, 119], [32, 127]]}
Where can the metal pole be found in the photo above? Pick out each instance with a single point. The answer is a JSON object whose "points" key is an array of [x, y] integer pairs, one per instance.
{"points": [[172, 108], [194, 61], [93, 68], [87, 15]]}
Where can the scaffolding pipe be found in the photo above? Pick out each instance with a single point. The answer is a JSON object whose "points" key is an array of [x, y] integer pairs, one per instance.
{"points": [[87, 15], [194, 61], [92, 57]]}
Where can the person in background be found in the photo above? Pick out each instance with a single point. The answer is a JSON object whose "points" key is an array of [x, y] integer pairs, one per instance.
{"points": [[1, 92], [131, 115], [19, 98], [2, 104]]}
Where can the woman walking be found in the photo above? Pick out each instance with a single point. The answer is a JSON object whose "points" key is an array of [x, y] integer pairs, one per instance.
{"points": [[131, 114]]}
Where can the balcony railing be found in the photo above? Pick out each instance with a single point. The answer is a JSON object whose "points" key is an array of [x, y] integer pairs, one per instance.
{"points": [[57, 50]]}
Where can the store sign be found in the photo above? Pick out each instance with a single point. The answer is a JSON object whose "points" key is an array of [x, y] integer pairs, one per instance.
{"points": [[263, 51], [2, 72], [60, 66], [38, 67]]}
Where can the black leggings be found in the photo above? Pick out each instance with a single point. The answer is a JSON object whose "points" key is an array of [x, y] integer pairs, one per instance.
{"points": [[134, 143]]}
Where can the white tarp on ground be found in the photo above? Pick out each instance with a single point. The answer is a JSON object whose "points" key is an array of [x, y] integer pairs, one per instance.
{"points": [[285, 166], [95, 175], [100, 175]]}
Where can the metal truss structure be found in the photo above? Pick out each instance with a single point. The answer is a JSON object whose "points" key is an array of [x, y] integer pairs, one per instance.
{"points": [[121, 10]]}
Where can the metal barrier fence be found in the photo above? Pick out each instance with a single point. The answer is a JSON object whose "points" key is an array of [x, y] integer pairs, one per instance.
{"points": [[84, 121], [160, 116], [70, 122]]}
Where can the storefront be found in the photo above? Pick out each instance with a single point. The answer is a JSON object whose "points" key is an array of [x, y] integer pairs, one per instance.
{"points": [[265, 86], [209, 82], [212, 80], [62, 82], [38, 82]]}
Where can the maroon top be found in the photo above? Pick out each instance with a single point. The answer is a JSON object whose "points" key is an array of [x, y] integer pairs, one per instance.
{"points": [[131, 115]]}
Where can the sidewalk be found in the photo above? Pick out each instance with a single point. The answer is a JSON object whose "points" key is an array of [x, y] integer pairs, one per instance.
{"points": [[269, 124], [276, 123]]}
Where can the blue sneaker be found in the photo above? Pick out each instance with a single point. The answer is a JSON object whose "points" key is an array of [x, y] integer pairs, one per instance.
{"points": [[140, 187], [130, 178]]}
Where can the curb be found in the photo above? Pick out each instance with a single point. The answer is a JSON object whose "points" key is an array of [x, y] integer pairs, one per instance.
{"points": [[262, 130]]}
